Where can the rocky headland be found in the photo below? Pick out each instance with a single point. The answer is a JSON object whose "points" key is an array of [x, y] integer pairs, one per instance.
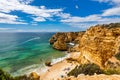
{"points": [[99, 45]]}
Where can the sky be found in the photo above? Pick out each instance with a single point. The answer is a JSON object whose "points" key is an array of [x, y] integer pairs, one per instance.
{"points": [[56, 15]]}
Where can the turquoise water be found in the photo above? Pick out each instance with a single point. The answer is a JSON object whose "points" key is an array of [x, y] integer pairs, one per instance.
{"points": [[21, 50]]}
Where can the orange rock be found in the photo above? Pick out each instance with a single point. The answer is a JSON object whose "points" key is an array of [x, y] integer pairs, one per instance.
{"points": [[35, 76]]}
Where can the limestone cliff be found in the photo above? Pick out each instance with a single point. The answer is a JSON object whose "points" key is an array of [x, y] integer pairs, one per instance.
{"points": [[100, 43], [97, 45]]}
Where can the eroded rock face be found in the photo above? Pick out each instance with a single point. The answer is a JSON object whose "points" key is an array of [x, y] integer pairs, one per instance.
{"points": [[60, 44], [100, 43], [60, 41]]}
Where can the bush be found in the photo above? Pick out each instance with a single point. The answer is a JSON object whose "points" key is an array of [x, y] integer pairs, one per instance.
{"points": [[69, 60], [117, 56], [6, 76], [87, 69], [111, 71]]}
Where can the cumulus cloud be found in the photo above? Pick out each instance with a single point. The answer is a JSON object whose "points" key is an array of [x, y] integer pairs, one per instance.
{"points": [[41, 14], [112, 2], [85, 22], [39, 19], [112, 11], [11, 19], [26, 1], [82, 19], [38, 12]]}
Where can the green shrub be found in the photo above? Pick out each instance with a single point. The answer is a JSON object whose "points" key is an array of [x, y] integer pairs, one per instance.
{"points": [[87, 69], [117, 56], [111, 71], [6, 76], [23, 77], [69, 60]]}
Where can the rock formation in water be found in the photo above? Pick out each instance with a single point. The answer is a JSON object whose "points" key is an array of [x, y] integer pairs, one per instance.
{"points": [[65, 40]]}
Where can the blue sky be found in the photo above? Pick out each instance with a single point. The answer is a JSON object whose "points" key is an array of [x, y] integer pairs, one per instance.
{"points": [[56, 15]]}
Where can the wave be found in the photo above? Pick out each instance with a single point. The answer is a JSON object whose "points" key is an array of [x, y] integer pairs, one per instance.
{"points": [[27, 70], [38, 68], [54, 61], [12, 46], [32, 39]]}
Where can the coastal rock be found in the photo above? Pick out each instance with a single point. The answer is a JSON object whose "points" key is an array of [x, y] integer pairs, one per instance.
{"points": [[97, 45], [48, 63], [60, 44], [79, 36], [34, 76], [100, 43], [65, 40]]}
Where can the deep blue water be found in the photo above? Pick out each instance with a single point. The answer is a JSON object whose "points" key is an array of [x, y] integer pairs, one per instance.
{"points": [[21, 50]]}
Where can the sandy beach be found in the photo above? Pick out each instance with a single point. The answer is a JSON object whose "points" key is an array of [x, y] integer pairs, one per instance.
{"points": [[58, 70]]}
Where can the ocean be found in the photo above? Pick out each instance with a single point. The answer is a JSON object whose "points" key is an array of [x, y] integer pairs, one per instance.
{"points": [[23, 52]]}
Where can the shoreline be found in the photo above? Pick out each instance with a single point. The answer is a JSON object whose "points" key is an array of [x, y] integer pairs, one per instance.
{"points": [[59, 69], [39, 68]]}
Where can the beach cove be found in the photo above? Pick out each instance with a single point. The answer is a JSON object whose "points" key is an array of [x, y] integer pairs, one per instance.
{"points": [[22, 54]]}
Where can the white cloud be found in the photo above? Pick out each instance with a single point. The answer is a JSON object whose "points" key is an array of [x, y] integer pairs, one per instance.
{"points": [[7, 6], [82, 19], [111, 15], [76, 6], [115, 10], [63, 15], [26, 1], [24, 30], [112, 12], [39, 19], [85, 22], [41, 13], [113, 2], [4, 29], [10, 19]]}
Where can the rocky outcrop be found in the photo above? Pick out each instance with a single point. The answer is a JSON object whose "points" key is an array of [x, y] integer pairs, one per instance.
{"points": [[60, 44], [34, 76], [100, 43], [65, 40]]}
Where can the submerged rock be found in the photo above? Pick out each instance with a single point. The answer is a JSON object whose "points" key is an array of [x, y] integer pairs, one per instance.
{"points": [[48, 63]]}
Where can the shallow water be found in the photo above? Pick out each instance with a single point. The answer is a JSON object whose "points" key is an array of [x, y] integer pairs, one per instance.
{"points": [[23, 51]]}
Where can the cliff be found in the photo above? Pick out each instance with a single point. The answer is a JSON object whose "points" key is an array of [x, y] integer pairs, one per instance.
{"points": [[100, 43], [96, 45]]}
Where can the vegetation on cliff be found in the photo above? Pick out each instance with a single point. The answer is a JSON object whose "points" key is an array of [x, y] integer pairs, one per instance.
{"points": [[87, 69], [91, 69]]}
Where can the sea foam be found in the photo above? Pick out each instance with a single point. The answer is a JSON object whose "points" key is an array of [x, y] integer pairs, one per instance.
{"points": [[54, 61]]}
